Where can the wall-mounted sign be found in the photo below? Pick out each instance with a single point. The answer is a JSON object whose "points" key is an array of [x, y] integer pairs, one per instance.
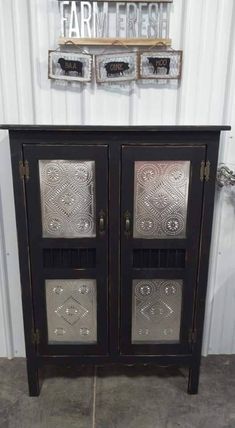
{"points": [[115, 19], [160, 64], [70, 66], [113, 23], [116, 67]]}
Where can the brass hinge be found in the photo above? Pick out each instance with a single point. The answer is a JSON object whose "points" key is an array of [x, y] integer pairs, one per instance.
{"points": [[205, 170], [24, 169], [35, 336], [192, 336]]}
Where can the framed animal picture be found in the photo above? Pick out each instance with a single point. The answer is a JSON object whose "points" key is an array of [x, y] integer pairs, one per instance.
{"points": [[116, 67], [69, 66], [161, 64]]}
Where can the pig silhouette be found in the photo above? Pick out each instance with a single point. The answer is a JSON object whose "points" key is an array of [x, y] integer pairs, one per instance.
{"points": [[116, 67]]}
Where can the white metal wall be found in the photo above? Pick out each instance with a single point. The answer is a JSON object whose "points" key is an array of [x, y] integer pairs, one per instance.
{"points": [[204, 30]]}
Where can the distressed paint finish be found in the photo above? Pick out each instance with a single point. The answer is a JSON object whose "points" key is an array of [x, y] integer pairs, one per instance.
{"points": [[206, 96]]}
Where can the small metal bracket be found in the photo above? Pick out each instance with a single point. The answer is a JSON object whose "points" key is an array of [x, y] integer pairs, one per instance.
{"points": [[35, 336], [205, 170], [24, 169]]}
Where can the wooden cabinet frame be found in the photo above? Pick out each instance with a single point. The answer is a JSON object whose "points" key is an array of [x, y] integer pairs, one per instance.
{"points": [[195, 154], [137, 143]]}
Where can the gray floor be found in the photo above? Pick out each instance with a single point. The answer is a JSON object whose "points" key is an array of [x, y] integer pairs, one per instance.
{"points": [[119, 397]]}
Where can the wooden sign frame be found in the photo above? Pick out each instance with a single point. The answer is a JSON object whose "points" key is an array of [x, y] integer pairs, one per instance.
{"points": [[152, 75], [85, 41], [104, 60], [129, 1], [77, 57]]}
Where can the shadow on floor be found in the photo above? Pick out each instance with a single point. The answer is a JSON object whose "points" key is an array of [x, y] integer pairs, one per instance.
{"points": [[119, 397]]}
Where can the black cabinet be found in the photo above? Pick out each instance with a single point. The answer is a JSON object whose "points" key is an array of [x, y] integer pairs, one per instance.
{"points": [[114, 228], [67, 207]]}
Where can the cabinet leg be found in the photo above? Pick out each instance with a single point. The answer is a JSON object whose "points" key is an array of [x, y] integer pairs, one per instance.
{"points": [[193, 379], [33, 380]]}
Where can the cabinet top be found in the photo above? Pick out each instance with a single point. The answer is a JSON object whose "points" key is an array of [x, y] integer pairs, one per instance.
{"points": [[76, 128]]}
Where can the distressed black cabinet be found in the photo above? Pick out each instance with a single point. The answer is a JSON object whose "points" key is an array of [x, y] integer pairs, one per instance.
{"points": [[114, 229]]}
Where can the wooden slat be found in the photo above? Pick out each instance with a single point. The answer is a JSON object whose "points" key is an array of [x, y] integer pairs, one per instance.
{"points": [[114, 42]]}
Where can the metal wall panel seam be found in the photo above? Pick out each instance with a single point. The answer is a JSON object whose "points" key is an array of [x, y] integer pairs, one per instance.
{"points": [[2, 112], [204, 29], [218, 79], [4, 290], [49, 27], [32, 71], [83, 106], [132, 99], [170, 102], [18, 63], [7, 86], [33, 46], [213, 47], [11, 261], [227, 275], [215, 311], [214, 241], [43, 107], [184, 14], [58, 92], [8, 332], [14, 51], [193, 51], [229, 96], [209, 330], [42, 11]]}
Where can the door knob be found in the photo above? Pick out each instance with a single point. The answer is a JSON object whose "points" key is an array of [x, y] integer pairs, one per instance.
{"points": [[101, 222]]}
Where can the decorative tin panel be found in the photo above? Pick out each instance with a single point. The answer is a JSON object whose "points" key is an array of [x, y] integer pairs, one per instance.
{"points": [[70, 66], [116, 67], [156, 310], [160, 199], [160, 65], [71, 311], [67, 198]]}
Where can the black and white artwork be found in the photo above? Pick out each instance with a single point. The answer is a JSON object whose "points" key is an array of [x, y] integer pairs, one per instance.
{"points": [[116, 67], [70, 66], [162, 64]]}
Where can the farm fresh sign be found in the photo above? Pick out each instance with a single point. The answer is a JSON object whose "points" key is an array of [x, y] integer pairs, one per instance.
{"points": [[90, 19]]}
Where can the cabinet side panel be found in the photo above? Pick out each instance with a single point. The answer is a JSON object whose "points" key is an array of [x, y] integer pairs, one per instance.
{"points": [[205, 241], [23, 245]]}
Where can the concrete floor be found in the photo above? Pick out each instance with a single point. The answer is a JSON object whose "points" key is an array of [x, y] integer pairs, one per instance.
{"points": [[119, 397]]}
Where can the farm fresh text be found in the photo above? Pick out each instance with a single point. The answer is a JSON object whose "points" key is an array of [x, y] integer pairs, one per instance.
{"points": [[107, 19]]}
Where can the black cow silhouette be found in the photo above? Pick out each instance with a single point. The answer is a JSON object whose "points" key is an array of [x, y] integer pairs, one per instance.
{"points": [[69, 65], [116, 67], [160, 63]]}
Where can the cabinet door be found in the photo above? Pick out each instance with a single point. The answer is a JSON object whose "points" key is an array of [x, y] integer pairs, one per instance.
{"points": [[161, 213], [66, 195]]}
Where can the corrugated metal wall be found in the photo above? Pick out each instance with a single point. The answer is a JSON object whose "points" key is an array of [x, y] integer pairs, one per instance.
{"points": [[204, 29]]}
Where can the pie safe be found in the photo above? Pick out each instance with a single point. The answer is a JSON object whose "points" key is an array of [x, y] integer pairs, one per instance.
{"points": [[114, 229]]}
